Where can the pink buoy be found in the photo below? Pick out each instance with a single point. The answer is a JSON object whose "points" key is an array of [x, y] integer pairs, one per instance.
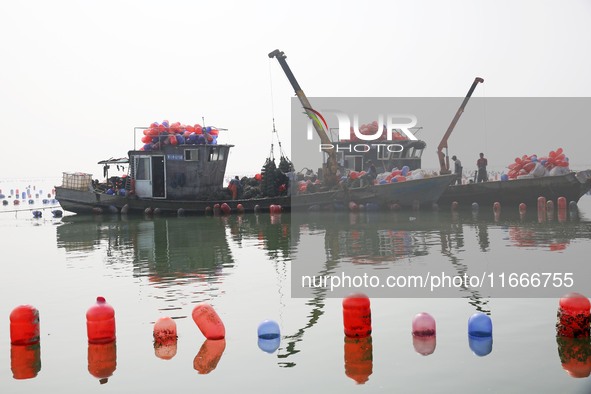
{"points": [[541, 203], [424, 334], [353, 207], [497, 207], [165, 338], [208, 321], [216, 209], [165, 331], [573, 317], [423, 325], [225, 208], [357, 316], [522, 208]]}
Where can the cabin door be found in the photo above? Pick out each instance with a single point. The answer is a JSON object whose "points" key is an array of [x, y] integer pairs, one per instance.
{"points": [[149, 176]]}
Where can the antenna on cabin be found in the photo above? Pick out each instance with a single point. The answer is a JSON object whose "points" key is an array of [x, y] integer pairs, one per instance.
{"points": [[203, 120]]}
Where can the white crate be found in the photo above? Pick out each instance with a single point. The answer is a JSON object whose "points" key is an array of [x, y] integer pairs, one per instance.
{"points": [[77, 181]]}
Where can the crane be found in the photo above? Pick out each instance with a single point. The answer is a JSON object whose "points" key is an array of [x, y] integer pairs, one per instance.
{"points": [[443, 157], [331, 167]]}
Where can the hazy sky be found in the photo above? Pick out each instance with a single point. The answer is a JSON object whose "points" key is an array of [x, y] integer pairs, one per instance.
{"points": [[77, 76]]}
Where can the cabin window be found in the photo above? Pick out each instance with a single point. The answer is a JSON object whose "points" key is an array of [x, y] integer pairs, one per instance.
{"points": [[216, 154], [191, 154], [142, 169]]}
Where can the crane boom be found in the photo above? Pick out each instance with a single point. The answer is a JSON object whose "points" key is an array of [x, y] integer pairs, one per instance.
{"points": [[330, 170], [443, 157]]}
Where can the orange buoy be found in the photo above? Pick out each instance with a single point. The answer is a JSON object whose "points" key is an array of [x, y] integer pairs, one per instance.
{"points": [[25, 361], [24, 325], [100, 322], [209, 355], [208, 321], [357, 316], [102, 360], [359, 358]]}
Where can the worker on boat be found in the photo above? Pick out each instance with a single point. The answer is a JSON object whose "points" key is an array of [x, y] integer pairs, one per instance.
{"points": [[481, 165], [372, 173], [235, 187], [457, 170]]}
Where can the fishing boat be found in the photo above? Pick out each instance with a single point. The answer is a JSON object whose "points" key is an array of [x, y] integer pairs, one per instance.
{"points": [[571, 186], [190, 178], [515, 189]]}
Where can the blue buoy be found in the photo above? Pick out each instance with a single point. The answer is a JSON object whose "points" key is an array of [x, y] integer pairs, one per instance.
{"points": [[269, 345], [504, 177], [110, 192], [57, 213], [269, 329], [404, 171], [480, 325], [37, 214], [269, 336], [480, 346]]}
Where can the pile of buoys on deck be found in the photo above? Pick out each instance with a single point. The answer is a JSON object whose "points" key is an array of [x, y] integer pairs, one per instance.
{"points": [[166, 133], [532, 166]]}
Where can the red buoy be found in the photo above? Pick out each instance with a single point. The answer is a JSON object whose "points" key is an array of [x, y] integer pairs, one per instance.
{"points": [[100, 322], [102, 360], [561, 202], [240, 208], [225, 208], [573, 317], [541, 203], [208, 321], [216, 209], [357, 316], [24, 325], [25, 361], [359, 358]]}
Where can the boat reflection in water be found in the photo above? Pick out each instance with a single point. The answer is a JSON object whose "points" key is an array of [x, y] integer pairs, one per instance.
{"points": [[189, 258]]}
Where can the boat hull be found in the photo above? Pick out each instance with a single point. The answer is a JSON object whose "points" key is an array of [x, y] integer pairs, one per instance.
{"points": [[571, 186], [423, 192]]}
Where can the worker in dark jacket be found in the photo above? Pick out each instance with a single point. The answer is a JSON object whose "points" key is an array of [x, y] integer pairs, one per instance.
{"points": [[457, 170], [481, 164]]}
